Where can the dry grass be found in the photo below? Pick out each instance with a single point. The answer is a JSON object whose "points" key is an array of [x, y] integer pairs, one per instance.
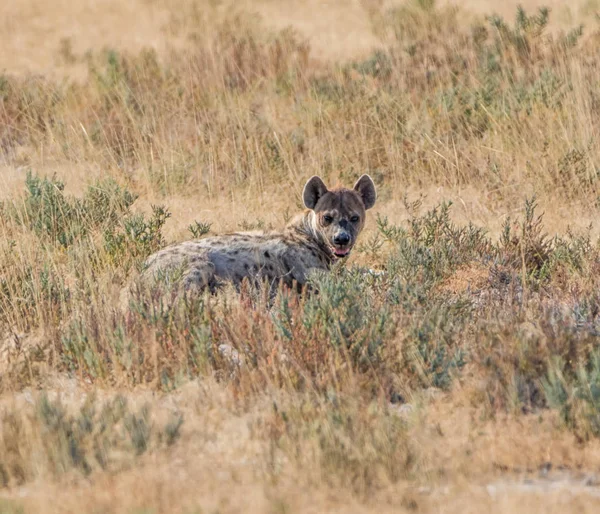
{"points": [[466, 377]]}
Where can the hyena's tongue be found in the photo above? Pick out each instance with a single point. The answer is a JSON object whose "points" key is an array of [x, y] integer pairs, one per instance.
{"points": [[338, 252]]}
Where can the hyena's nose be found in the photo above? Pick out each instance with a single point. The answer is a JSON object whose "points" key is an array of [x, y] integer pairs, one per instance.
{"points": [[341, 239]]}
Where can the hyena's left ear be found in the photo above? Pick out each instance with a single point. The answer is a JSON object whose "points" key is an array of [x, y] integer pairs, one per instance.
{"points": [[314, 189], [366, 189]]}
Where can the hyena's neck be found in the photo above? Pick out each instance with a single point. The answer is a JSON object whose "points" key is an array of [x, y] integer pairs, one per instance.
{"points": [[303, 227]]}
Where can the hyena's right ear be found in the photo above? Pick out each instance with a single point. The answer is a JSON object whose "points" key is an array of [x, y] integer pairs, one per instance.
{"points": [[314, 189]]}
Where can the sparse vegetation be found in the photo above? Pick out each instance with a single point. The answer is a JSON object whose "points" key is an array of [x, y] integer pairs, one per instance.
{"points": [[49, 440], [447, 325]]}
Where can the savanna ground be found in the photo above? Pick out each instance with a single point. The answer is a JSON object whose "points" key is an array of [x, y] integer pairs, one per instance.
{"points": [[464, 377]]}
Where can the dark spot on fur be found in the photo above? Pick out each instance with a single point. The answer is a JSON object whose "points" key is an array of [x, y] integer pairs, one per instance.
{"points": [[235, 252], [246, 266], [267, 254], [270, 267]]}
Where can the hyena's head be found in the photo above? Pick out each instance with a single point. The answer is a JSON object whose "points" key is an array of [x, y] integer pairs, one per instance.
{"points": [[339, 214]]}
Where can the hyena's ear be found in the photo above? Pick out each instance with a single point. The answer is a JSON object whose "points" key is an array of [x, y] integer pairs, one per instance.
{"points": [[366, 189], [314, 189]]}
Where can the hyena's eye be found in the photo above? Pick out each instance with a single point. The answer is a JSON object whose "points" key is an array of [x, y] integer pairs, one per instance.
{"points": [[354, 219], [327, 219]]}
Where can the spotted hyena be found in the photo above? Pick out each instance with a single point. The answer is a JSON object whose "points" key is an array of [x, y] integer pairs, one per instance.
{"points": [[314, 240]]}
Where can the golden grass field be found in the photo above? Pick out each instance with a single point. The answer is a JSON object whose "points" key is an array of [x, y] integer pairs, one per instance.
{"points": [[464, 379]]}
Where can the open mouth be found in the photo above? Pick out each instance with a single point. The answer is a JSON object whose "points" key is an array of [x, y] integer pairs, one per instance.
{"points": [[340, 253]]}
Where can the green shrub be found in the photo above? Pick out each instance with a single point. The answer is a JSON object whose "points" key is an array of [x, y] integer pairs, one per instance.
{"points": [[63, 219], [575, 393]]}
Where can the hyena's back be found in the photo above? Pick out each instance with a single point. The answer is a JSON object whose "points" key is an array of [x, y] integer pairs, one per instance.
{"points": [[208, 263]]}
